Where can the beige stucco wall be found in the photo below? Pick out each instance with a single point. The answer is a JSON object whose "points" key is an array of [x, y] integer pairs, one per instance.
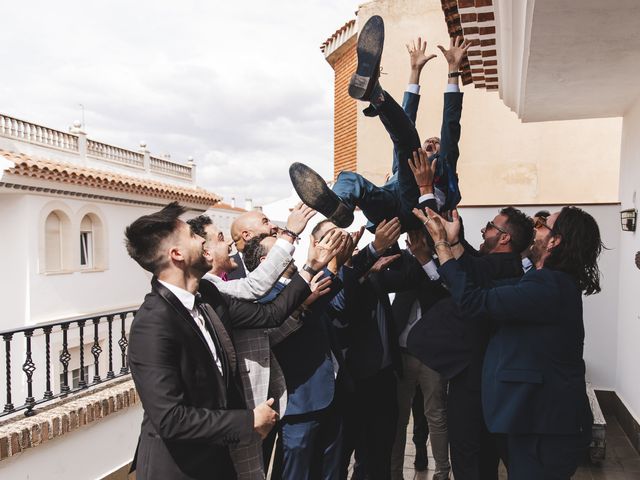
{"points": [[503, 160]]}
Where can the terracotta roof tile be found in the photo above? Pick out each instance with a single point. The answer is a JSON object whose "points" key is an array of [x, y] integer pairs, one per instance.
{"points": [[335, 35], [46, 169]]}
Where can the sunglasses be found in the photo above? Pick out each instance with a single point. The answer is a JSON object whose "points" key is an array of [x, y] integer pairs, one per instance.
{"points": [[542, 223], [490, 225]]}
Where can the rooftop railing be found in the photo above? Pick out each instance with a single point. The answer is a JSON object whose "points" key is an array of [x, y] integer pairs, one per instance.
{"points": [[76, 142], [45, 353]]}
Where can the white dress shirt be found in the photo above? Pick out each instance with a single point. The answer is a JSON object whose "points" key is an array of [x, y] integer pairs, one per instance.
{"points": [[188, 299]]}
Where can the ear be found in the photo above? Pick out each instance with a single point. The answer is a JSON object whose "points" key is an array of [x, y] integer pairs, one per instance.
{"points": [[504, 238], [176, 254], [246, 236], [554, 241]]}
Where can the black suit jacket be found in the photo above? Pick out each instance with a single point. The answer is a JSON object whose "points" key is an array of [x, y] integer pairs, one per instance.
{"points": [[192, 412], [446, 340], [239, 272]]}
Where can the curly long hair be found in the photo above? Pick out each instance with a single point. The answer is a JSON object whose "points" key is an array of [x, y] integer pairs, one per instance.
{"points": [[578, 251]]}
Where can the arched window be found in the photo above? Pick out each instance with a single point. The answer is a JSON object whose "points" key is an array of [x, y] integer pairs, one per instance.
{"points": [[93, 245], [53, 243], [86, 243]]}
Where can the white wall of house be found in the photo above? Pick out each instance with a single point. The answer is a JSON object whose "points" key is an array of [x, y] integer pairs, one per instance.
{"points": [[628, 380], [89, 453]]}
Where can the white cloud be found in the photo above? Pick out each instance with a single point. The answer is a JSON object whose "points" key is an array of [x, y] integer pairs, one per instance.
{"points": [[240, 86]]}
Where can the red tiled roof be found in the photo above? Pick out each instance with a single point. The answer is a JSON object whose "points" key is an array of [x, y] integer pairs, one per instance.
{"points": [[226, 206], [72, 174], [337, 33]]}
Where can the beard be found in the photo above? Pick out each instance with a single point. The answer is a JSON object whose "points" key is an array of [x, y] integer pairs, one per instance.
{"points": [[537, 250], [202, 264], [488, 245]]}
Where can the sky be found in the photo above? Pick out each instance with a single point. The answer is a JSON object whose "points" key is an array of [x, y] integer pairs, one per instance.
{"points": [[242, 87]]}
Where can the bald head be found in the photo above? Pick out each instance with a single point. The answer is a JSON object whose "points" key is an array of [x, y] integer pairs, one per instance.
{"points": [[249, 225]]}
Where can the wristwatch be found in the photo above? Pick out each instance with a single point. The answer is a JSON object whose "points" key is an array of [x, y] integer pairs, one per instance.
{"points": [[309, 270], [454, 74]]}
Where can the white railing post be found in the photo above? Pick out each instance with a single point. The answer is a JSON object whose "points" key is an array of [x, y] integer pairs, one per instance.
{"points": [[192, 164], [146, 156], [76, 129]]}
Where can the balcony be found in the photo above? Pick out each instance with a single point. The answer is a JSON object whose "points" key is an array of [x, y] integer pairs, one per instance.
{"points": [[65, 377]]}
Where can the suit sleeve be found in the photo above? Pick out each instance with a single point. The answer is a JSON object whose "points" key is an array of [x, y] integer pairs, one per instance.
{"points": [[154, 360], [244, 314], [259, 282], [529, 301], [450, 132]]}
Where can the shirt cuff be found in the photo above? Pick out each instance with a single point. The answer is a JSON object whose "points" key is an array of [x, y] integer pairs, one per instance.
{"points": [[413, 88], [425, 197], [373, 250], [431, 270], [286, 246], [452, 88]]}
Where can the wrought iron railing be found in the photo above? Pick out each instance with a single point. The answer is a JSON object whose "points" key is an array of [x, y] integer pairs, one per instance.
{"points": [[33, 346]]}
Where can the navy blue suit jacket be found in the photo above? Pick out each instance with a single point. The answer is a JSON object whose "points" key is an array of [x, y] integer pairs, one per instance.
{"points": [[533, 375], [305, 358]]}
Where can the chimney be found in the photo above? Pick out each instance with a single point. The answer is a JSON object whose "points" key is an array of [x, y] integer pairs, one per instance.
{"points": [[233, 202], [248, 204]]}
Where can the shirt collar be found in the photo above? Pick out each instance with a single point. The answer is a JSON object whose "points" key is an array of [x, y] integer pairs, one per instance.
{"points": [[186, 298]]}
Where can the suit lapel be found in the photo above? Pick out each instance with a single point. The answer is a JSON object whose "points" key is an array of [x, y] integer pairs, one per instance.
{"points": [[223, 337], [185, 316]]}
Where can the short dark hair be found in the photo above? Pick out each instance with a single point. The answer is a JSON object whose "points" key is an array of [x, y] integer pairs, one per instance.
{"points": [[144, 236], [543, 214], [254, 250], [520, 227], [579, 248], [199, 223], [318, 227]]}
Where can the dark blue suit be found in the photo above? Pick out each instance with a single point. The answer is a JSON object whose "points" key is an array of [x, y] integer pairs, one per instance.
{"points": [[533, 386], [311, 427], [400, 194]]}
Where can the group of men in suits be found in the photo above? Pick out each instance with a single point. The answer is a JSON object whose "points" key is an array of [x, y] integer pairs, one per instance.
{"points": [[226, 347]]}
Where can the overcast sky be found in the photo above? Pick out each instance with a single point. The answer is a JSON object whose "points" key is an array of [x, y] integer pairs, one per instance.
{"points": [[240, 86]]}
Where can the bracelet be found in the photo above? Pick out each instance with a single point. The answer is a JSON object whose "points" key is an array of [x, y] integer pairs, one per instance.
{"points": [[426, 185], [455, 243], [309, 270], [289, 233], [442, 242], [454, 74]]}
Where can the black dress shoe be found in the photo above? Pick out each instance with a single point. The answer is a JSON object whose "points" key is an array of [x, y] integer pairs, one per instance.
{"points": [[421, 460], [370, 43], [315, 193]]}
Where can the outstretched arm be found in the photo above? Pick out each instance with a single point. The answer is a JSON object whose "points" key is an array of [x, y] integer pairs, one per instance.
{"points": [[450, 132], [260, 281]]}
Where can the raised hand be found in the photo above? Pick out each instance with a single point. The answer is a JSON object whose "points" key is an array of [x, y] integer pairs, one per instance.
{"points": [[264, 418], [417, 245], [383, 262], [322, 252], [423, 171], [299, 217], [319, 286], [387, 233], [439, 228], [417, 56], [457, 50]]}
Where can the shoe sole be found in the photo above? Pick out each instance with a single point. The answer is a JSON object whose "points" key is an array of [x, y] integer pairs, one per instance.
{"points": [[369, 51], [314, 192]]}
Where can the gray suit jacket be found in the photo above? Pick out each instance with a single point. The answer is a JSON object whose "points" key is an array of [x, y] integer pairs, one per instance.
{"points": [[259, 282]]}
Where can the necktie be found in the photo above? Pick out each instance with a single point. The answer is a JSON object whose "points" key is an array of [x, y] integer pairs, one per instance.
{"points": [[199, 305]]}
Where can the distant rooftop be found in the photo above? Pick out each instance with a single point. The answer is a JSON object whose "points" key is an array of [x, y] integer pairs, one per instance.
{"points": [[46, 154]]}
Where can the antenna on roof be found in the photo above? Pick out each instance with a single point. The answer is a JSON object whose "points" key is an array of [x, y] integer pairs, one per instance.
{"points": [[84, 126]]}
